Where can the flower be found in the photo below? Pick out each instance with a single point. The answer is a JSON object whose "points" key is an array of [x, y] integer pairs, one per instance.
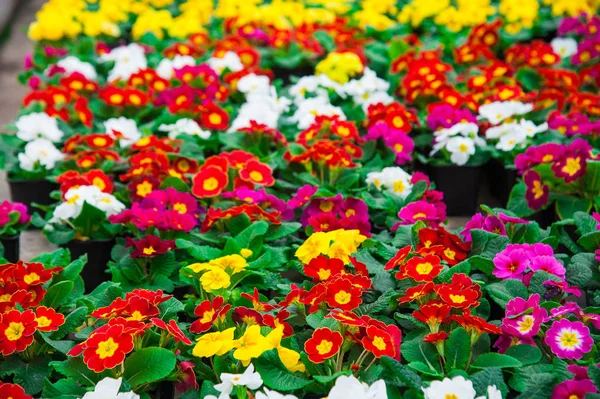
{"points": [[123, 129], [379, 342], [16, 331], [128, 60], [457, 387], [106, 347], [149, 246], [348, 386], [185, 126], [249, 378], [217, 343], [108, 388], [48, 319], [268, 394], [461, 292], [537, 194], [173, 329], [569, 339], [323, 344], [209, 182], [423, 269], [495, 112], [343, 294], [12, 391], [39, 152], [564, 46], [418, 210], [570, 166], [323, 268], [250, 345], [214, 278], [393, 179], [257, 172], [208, 312], [38, 125], [511, 263], [461, 149], [574, 389], [524, 317]]}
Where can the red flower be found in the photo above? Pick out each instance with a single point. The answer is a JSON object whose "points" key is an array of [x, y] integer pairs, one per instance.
{"points": [[475, 325], [12, 391], [399, 258], [322, 268], [173, 329], [461, 293], [323, 344], [347, 318], [238, 158], [246, 315], [433, 314], [16, 331], [209, 182], [208, 312], [279, 320], [314, 297], [99, 140], [106, 348], [423, 269], [213, 117], [48, 319], [113, 95], [149, 246], [98, 178], [343, 294], [379, 342], [537, 194], [571, 166], [257, 304], [416, 292], [435, 338], [258, 173], [84, 112]]}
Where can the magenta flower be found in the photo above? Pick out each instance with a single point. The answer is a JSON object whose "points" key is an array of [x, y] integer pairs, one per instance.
{"points": [[490, 223], [511, 263], [524, 317], [418, 176], [378, 130], [511, 219], [557, 288], [401, 144], [579, 372], [419, 210], [149, 246], [569, 339], [533, 156], [302, 196], [7, 208], [549, 264], [571, 166], [507, 340], [573, 389], [596, 216], [445, 116], [537, 193]]}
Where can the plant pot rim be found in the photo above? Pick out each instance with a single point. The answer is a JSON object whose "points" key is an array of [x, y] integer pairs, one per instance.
{"points": [[90, 241], [432, 165], [29, 181], [10, 238]]}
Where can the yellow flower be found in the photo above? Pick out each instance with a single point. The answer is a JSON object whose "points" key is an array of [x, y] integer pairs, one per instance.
{"points": [[250, 345], [198, 267], [340, 67], [230, 263], [316, 244], [246, 253], [214, 279], [289, 358], [217, 343]]}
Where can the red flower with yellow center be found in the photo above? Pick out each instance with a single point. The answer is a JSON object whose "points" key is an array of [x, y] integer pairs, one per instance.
{"points": [[99, 140], [139, 309], [106, 348], [399, 259], [570, 167], [257, 304], [423, 269], [86, 161], [113, 96], [173, 329], [461, 293], [98, 178], [322, 268], [12, 391], [149, 246], [213, 117], [209, 182], [433, 314], [48, 319], [83, 111], [416, 293], [16, 331], [343, 294], [323, 344], [537, 193], [379, 342], [208, 312], [258, 173], [279, 320], [436, 338], [244, 315]]}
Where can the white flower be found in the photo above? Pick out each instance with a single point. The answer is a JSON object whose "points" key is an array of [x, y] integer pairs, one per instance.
{"points": [[497, 111], [166, 67], [510, 140], [368, 83], [248, 379], [108, 203], [374, 98], [108, 388], [40, 151], [493, 392], [128, 60], [456, 388], [185, 126], [123, 129], [310, 108], [75, 198], [38, 124], [253, 83], [73, 64], [564, 46], [230, 60], [530, 129], [268, 394], [347, 387], [304, 85], [461, 149], [393, 179], [467, 129]]}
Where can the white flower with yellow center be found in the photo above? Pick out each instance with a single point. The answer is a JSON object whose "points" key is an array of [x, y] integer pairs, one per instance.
{"points": [[565, 47], [460, 149], [38, 125], [350, 387], [391, 179], [166, 67], [185, 126], [128, 60], [73, 64], [230, 60], [497, 111], [39, 151]]}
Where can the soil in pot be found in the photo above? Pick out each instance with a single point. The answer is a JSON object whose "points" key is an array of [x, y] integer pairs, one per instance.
{"points": [[460, 185], [500, 180], [30, 191], [98, 255], [11, 248]]}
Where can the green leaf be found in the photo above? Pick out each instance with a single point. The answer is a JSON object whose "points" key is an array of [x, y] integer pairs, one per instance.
{"points": [[57, 293], [149, 365], [202, 253], [283, 230], [585, 222], [590, 241], [75, 368], [89, 219], [504, 291], [170, 308], [517, 202], [276, 376], [413, 349], [497, 360], [462, 267], [539, 389], [29, 375], [567, 206], [72, 271], [457, 349], [487, 377], [325, 39], [72, 321], [579, 269], [526, 354], [399, 375], [484, 265], [251, 233], [529, 78]]}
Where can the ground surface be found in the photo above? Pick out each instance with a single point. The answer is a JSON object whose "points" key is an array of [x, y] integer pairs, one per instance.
{"points": [[12, 53]]}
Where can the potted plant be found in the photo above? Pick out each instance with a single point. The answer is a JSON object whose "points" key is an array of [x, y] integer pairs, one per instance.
{"points": [[14, 219], [80, 223]]}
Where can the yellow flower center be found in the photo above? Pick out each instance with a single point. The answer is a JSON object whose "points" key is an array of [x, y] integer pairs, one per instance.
{"points": [[98, 182], [143, 189], [326, 206], [537, 189], [457, 298], [572, 167], [210, 184], [424, 268], [215, 119], [450, 254], [107, 348], [324, 274], [324, 347], [256, 176], [207, 316], [525, 324], [14, 331], [379, 343], [419, 215], [31, 278], [149, 250], [569, 339], [343, 297], [399, 186], [43, 321], [179, 207]]}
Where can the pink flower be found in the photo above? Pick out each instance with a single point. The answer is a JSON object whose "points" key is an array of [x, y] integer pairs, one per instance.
{"points": [[511, 263], [548, 264], [573, 389], [507, 340], [401, 144], [415, 211], [302, 196], [596, 216], [569, 339], [511, 219], [524, 317], [537, 193], [536, 155], [557, 288]]}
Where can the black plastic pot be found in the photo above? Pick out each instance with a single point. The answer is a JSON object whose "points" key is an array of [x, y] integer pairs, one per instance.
{"points": [[545, 217], [285, 74], [98, 254], [11, 247], [29, 191], [500, 180], [460, 185], [164, 390]]}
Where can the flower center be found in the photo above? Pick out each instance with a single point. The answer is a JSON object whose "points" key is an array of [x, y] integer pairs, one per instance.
{"points": [[525, 324], [324, 347], [572, 167], [457, 298], [537, 189], [326, 206], [207, 317], [424, 268], [107, 348], [343, 297], [324, 274], [181, 208], [256, 176], [379, 343], [569, 339], [31, 278], [149, 250], [43, 321], [14, 331], [210, 184]]}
